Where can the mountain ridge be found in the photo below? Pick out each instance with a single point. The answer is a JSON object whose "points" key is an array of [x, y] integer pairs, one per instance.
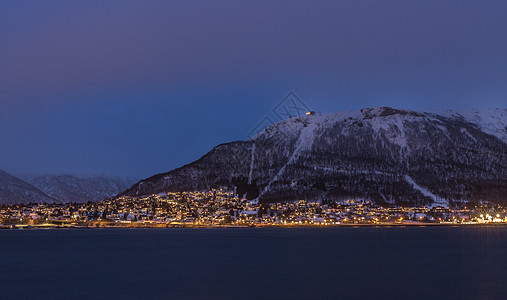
{"points": [[14, 190], [79, 188], [62, 188], [360, 154]]}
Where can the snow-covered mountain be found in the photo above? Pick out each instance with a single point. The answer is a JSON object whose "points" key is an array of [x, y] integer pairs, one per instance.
{"points": [[15, 191], [382, 154], [492, 121], [73, 188]]}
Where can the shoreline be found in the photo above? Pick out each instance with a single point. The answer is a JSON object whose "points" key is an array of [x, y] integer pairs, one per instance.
{"points": [[216, 226]]}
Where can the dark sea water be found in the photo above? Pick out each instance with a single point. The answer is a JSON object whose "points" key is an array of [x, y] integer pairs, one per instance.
{"points": [[270, 263]]}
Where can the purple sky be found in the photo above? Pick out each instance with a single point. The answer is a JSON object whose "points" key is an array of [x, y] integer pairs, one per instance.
{"points": [[140, 87]]}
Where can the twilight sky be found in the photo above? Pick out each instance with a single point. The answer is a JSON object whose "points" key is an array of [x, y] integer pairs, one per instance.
{"points": [[140, 87]]}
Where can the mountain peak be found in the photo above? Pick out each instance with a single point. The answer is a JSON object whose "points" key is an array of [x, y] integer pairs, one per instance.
{"points": [[383, 154], [384, 111]]}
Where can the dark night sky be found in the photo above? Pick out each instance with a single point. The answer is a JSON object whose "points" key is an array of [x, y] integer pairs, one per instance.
{"points": [[140, 87]]}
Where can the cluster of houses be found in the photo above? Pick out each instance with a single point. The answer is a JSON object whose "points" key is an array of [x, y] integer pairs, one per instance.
{"points": [[221, 207]]}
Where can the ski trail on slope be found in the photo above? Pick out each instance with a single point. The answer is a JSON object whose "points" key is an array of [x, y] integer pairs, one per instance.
{"points": [[251, 165], [424, 191], [304, 142]]}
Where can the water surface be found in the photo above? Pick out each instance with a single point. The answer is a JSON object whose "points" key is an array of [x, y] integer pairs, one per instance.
{"points": [[267, 263]]}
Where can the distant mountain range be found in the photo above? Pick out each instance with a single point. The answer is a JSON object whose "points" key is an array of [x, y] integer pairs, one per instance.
{"points": [[387, 155], [60, 188], [15, 191], [74, 188]]}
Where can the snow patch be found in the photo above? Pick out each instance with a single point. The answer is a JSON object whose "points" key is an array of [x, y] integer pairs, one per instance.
{"points": [[251, 165], [464, 131], [304, 143], [436, 200], [492, 121]]}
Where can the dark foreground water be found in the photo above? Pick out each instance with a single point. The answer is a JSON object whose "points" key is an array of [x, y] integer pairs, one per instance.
{"points": [[328, 263]]}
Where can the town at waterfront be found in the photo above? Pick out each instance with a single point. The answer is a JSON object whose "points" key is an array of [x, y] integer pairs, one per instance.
{"points": [[221, 208]]}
